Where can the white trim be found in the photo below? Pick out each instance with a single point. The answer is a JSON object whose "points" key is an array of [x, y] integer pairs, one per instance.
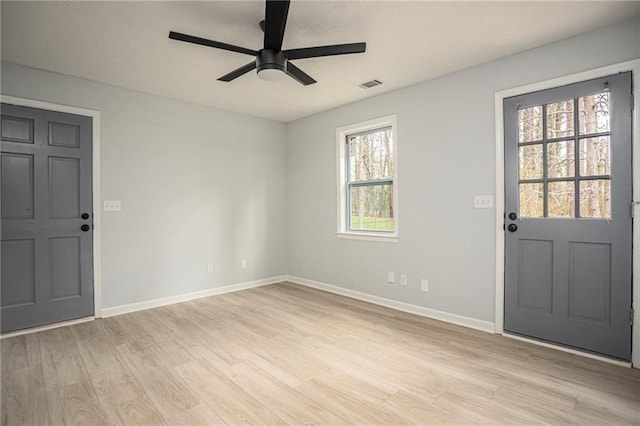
{"points": [[368, 236], [341, 134], [634, 67], [95, 152], [568, 350], [499, 304], [155, 303], [456, 319], [46, 327]]}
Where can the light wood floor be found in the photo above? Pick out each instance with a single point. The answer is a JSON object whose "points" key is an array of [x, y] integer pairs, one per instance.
{"points": [[285, 354]]}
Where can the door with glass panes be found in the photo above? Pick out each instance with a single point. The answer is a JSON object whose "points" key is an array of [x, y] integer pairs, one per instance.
{"points": [[568, 224]]}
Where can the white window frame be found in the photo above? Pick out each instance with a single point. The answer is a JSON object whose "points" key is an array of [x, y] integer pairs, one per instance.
{"points": [[341, 155]]}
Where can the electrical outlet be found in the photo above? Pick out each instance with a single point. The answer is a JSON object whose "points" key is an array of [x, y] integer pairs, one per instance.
{"points": [[424, 285], [403, 279], [391, 277], [209, 268], [243, 263]]}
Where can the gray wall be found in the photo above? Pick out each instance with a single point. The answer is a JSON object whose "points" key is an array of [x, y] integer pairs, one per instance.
{"points": [[446, 155], [198, 185]]}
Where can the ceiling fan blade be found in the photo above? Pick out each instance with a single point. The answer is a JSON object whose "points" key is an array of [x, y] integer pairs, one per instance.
{"points": [[336, 49], [299, 75], [275, 22], [238, 72], [211, 43]]}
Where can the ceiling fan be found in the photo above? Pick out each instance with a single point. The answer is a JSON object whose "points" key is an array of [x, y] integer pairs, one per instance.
{"points": [[271, 61]]}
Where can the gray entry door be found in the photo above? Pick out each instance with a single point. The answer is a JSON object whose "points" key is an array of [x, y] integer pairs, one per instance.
{"points": [[47, 266], [568, 189]]}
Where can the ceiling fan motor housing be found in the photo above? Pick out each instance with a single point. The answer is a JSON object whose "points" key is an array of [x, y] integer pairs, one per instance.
{"points": [[271, 59]]}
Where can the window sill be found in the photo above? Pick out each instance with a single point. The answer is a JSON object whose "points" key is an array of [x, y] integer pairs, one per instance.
{"points": [[368, 237]]}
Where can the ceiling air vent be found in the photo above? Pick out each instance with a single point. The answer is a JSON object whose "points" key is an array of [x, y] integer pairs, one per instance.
{"points": [[370, 84]]}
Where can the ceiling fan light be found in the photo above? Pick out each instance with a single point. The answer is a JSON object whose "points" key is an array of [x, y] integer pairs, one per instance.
{"points": [[271, 64], [271, 74]]}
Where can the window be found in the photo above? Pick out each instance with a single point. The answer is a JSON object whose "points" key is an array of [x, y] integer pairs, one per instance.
{"points": [[564, 158], [367, 180]]}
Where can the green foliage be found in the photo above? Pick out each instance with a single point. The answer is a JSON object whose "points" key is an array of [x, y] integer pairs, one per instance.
{"points": [[372, 223]]}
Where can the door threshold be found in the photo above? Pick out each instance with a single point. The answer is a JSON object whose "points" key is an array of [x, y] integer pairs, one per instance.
{"points": [[569, 350], [46, 327]]}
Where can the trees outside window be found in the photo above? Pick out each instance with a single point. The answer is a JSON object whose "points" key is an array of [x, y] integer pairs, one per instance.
{"points": [[564, 158], [367, 164]]}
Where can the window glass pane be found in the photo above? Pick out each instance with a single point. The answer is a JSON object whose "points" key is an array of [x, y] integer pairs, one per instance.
{"points": [[530, 124], [531, 200], [560, 119], [595, 198], [371, 156], [371, 208], [593, 113], [561, 199], [595, 156], [561, 159], [530, 162]]}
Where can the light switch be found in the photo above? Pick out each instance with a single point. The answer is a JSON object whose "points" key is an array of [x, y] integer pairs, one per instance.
{"points": [[111, 205], [391, 277], [483, 202]]}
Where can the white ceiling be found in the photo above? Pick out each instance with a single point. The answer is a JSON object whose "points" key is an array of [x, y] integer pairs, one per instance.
{"points": [[125, 44]]}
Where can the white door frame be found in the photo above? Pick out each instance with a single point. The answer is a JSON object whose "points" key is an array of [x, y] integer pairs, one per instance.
{"points": [[95, 152], [633, 66]]}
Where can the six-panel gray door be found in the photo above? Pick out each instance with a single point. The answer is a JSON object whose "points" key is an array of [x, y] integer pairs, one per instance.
{"points": [[47, 266], [568, 193]]}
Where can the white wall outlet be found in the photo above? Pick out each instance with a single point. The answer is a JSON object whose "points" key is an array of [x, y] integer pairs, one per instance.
{"points": [[403, 279], [424, 285], [209, 268], [483, 202], [243, 263], [111, 205], [391, 277]]}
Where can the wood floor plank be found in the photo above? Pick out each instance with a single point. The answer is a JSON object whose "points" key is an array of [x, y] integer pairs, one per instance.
{"points": [[230, 402], [348, 406], [415, 410], [164, 387], [24, 399], [286, 354], [61, 361], [19, 352], [80, 405], [111, 377], [199, 414], [139, 411], [290, 405]]}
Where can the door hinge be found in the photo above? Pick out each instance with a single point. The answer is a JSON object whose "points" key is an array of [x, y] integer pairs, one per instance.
{"points": [[631, 315], [632, 101], [633, 208]]}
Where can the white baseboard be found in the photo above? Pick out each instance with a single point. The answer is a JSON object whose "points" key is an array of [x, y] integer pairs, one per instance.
{"points": [[154, 303], [476, 324]]}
